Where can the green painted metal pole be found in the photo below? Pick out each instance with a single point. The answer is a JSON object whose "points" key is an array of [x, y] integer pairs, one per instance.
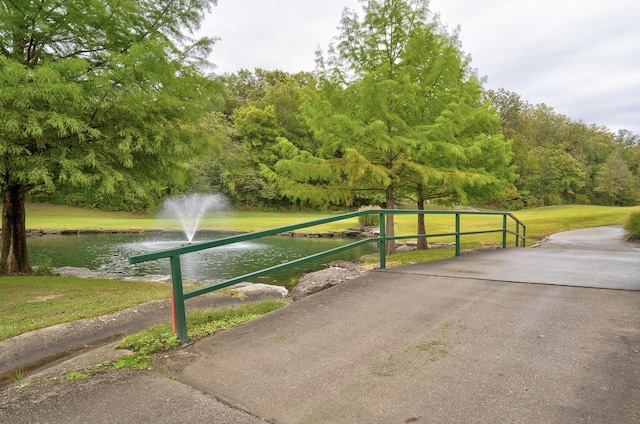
{"points": [[457, 234], [178, 299], [504, 231], [383, 241], [517, 234]]}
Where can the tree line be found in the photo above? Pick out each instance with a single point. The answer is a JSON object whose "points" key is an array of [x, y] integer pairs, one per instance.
{"points": [[112, 107]]}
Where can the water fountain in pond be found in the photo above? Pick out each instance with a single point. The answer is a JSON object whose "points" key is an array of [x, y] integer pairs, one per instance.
{"points": [[189, 209]]}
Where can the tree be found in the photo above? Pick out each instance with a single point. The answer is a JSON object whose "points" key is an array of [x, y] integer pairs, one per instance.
{"points": [[553, 173], [104, 94], [393, 113], [615, 182]]}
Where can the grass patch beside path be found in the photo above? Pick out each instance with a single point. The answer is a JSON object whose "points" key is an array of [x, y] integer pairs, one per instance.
{"points": [[200, 324], [30, 303]]}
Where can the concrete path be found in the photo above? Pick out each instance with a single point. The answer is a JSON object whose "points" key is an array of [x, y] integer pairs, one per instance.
{"points": [[444, 342], [505, 336]]}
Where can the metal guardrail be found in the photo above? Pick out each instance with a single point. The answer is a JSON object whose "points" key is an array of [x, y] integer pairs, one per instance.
{"points": [[178, 295]]}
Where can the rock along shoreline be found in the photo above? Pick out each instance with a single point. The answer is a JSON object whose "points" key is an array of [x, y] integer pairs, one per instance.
{"points": [[353, 232]]}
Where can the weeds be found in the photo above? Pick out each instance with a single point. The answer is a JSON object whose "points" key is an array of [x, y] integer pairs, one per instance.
{"points": [[44, 269], [632, 225], [18, 377], [76, 375], [200, 324]]}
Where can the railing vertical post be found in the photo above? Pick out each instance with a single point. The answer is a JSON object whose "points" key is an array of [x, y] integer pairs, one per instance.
{"points": [[457, 234], [504, 231], [178, 299], [524, 236], [517, 234], [383, 241]]}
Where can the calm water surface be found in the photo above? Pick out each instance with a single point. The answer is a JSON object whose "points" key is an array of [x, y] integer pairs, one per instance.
{"points": [[111, 253]]}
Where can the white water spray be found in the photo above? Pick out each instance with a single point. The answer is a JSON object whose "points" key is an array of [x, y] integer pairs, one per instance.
{"points": [[189, 209]]}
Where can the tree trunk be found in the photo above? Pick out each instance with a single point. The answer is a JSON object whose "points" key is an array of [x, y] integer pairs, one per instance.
{"points": [[422, 229], [14, 258], [390, 230]]}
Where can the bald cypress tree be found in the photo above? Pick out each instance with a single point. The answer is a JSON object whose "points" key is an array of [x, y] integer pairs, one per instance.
{"points": [[398, 111], [95, 93]]}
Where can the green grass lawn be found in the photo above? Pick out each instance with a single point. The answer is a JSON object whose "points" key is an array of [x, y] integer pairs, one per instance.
{"points": [[540, 222], [28, 303]]}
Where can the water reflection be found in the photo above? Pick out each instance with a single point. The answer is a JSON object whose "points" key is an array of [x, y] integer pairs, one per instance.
{"points": [[111, 253]]}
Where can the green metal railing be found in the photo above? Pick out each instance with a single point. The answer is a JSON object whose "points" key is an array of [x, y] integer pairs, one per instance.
{"points": [[178, 295]]}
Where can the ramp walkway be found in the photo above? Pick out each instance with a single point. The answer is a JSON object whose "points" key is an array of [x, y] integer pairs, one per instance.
{"points": [[448, 342], [546, 335]]}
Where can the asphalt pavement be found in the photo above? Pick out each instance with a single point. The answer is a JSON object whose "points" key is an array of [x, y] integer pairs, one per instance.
{"points": [[535, 335]]}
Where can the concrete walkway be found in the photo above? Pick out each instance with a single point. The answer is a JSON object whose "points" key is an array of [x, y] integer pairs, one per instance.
{"points": [[547, 335]]}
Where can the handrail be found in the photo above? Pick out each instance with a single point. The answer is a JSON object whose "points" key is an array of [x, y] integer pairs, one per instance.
{"points": [[178, 295]]}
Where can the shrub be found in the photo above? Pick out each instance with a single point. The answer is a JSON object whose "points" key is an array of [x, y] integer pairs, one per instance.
{"points": [[632, 225], [372, 220], [43, 269]]}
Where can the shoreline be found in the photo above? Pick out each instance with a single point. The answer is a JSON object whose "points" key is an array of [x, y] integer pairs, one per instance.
{"points": [[354, 232]]}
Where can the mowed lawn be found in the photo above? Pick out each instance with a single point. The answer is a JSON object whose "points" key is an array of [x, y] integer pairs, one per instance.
{"points": [[540, 222]]}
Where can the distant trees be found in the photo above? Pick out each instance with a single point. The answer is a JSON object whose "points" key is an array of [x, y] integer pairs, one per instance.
{"points": [[105, 96], [615, 182], [561, 161]]}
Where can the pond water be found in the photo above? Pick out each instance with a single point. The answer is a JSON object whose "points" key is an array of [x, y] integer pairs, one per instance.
{"points": [[111, 252]]}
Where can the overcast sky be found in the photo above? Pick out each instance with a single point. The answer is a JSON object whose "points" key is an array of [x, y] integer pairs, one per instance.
{"points": [[581, 57]]}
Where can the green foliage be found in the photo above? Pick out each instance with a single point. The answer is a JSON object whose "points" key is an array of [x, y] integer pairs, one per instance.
{"points": [[262, 111], [553, 173], [76, 375], [398, 112], [561, 161], [369, 220], [44, 269], [632, 225], [18, 377], [200, 324], [105, 96], [615, 182], [138, 361], [158, 338]]}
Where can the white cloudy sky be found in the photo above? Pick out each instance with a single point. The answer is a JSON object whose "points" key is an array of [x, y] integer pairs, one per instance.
{"points": [[581, 57]]}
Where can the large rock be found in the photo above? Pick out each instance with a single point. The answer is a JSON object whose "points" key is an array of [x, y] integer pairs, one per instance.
{"points": [[261, 289], [315, 282]]}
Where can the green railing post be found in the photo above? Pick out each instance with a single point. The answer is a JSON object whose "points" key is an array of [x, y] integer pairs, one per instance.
{"points": [[178, 300], [517, 234], [504, 231], [383, 241], [457, 234]]}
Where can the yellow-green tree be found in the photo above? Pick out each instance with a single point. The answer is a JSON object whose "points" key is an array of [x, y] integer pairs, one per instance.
{"points": [[104, 94], [398, 111]]}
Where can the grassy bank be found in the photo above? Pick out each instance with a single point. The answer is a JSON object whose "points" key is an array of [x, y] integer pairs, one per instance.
{"points": [[29, 303], [57, 217]]}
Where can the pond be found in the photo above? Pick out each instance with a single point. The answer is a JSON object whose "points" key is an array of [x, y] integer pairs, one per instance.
{"points": [[111, 252]]}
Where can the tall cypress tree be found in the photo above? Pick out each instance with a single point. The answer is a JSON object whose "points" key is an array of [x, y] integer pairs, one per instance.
{"points": [[398, 111], [95, 93]]}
